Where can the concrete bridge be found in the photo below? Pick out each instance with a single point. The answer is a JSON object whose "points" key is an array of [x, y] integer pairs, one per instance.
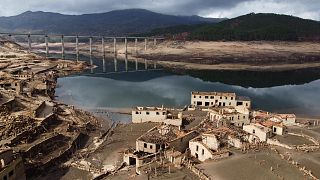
{"points": [[102, 40]]}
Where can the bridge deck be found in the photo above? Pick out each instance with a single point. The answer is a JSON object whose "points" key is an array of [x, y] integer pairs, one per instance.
{"points": [[79, 36]]}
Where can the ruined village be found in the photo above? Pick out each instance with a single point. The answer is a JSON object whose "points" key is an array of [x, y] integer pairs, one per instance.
{"points": [[36, 132], [214, 127], [45, 139]]}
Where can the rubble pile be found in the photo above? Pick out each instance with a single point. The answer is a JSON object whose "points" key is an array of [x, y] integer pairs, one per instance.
{"points": [[16, 125], [161, 136]]}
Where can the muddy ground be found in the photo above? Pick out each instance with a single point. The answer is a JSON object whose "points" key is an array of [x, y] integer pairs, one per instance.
{"points": [[252, 166], [162, 173], [257, 165]]}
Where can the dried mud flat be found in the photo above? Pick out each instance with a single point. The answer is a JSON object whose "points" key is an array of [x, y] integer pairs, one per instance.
{"points": [[252, 56], [252, 166], [273, 162]]}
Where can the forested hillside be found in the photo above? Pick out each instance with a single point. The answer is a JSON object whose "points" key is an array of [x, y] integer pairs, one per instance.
{"points": [[247, 28]]}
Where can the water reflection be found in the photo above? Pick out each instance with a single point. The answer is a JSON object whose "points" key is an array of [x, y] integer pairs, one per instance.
{"points": [[174, 90], [104, 64], [107, 66], [124, 83], [256, 79]]}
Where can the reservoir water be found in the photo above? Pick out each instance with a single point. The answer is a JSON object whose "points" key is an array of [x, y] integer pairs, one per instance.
{"points": [[115, 83]]}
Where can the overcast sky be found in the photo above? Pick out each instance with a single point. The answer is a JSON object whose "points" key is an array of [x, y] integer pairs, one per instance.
{"points": [[309, 9]]}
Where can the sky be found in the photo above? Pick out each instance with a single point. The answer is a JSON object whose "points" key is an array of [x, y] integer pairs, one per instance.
{"points": [[308, 9]]}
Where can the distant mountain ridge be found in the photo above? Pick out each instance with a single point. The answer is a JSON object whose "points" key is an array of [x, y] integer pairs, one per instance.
{"points": [[262, 26], [118, 22]]}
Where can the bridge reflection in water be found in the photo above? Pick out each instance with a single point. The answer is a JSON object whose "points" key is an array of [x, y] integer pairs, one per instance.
{"points": [[113, 65]]}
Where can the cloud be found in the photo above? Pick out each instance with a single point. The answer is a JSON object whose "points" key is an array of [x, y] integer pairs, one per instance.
{"points": [[209, 8], [308, 9], [11, 7]]}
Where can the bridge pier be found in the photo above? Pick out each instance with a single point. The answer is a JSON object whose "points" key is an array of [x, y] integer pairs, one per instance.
{"points": [[90, 46], [145, 44], [91, 70], [155, 42], [126, 62], [136, 46], [9, 37], [126, 45], [47, 45], [103, 48], [62, 47], [104, 64], [115, 46], [136, 64], [29, 43], [91, 62], [115, 65], [77, 48], [145, 64]]}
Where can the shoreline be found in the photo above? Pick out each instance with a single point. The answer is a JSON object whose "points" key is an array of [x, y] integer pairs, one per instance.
{"points": [[238, 67], [259, 56], [235, 55]]}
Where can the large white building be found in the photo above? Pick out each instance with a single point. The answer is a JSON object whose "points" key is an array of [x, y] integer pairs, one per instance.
{"points": [[149, 114], [156, 114], [210, 99]]}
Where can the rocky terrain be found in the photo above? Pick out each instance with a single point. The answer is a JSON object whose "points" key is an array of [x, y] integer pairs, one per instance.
{"points": [[45, 132]]}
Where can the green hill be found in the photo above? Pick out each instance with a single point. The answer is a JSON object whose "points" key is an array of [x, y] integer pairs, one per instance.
{"points": [[249, 27]]}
